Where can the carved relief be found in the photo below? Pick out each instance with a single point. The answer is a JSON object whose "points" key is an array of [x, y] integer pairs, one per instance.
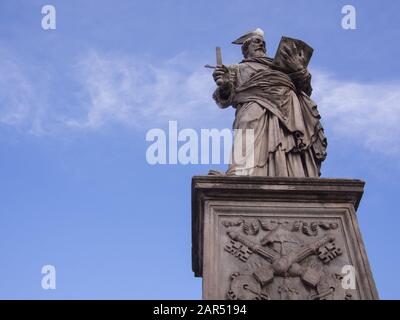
{"points": [[283, 259]]}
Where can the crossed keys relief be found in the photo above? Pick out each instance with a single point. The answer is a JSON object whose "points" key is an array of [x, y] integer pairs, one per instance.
{"points": [[293, 260]]}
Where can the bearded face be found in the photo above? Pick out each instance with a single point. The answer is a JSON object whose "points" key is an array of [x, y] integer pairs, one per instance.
{"points": [[254, 47]]}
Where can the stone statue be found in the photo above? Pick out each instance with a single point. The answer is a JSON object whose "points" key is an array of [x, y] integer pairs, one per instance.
{"points": [[279, 238], [273, 99]]}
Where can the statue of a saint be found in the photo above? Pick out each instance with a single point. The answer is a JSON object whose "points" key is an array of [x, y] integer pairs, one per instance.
{"points": [[274, 101]]}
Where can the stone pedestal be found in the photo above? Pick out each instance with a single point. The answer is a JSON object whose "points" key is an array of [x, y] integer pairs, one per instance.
{"points": [[279, 238]]}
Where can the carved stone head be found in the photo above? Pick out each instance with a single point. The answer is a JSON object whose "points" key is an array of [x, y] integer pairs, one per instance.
{"points": [[253, 44], [254, 47]]}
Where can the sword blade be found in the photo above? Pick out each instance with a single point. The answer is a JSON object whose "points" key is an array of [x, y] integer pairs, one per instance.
{"points": [[219, 56]]}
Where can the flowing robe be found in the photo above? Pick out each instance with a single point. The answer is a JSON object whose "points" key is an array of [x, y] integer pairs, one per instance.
{"points": [[288, 137]]}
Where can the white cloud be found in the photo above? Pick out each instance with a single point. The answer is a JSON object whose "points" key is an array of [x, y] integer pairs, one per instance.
{"points": [[138, 92], [14, 105], [367, 114], [18, 98]]}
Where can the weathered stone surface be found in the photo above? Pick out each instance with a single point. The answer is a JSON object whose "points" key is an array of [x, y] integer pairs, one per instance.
{"points": [[274, 111], [278, 238]]}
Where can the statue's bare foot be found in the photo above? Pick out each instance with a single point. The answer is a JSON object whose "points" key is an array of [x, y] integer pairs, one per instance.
{"points": [[216, 173]]}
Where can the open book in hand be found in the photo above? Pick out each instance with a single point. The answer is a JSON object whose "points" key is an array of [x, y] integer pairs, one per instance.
{"points": [[302, 53]]}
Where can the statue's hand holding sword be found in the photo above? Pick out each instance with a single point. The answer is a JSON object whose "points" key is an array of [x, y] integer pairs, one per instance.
{"points": [[221, 72]]}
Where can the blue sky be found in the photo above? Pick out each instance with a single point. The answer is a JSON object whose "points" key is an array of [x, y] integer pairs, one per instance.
{"points": [[76, 191]]}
